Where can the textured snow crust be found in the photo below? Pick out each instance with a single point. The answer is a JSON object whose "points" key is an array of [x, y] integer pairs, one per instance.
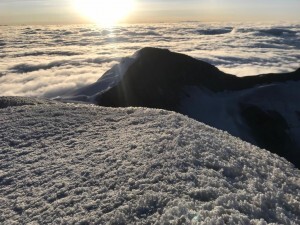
{"points": [[8, 101], [79, 164]]}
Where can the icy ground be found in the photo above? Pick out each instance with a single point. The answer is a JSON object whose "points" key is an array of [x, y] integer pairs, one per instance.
{"points": [[80, 164]]}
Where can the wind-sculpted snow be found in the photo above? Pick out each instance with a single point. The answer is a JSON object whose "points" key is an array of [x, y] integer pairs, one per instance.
{"points": [[49, 61], [75, 164]]}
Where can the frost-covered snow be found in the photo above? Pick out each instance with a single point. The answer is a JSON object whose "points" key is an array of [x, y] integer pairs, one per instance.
{"points": [[81, 164], [17, 101]]}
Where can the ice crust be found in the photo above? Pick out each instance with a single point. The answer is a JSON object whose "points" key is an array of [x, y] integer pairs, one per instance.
{"points": [[83, 164]]}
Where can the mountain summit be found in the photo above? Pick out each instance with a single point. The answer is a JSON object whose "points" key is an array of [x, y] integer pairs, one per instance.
{"points": [[263, 110]]}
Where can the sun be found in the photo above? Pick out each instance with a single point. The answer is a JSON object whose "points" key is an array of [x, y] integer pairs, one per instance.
{"points": [[104, 12]]}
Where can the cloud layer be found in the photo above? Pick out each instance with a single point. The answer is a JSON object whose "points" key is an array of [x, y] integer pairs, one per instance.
{"points": [[49, 61]]}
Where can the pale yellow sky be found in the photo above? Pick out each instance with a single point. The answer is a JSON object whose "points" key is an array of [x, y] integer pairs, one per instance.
{"points": [[63, 11]]}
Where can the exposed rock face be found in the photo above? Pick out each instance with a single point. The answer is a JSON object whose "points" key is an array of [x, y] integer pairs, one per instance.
{"points": [[263, 110]]}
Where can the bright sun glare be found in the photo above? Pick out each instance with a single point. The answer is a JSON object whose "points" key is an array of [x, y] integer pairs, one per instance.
{"points": [[104, 12]]}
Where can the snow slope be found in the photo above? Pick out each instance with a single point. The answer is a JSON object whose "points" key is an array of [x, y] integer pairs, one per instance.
{"points": [[267, 116], [83, 164], [108, 80]]}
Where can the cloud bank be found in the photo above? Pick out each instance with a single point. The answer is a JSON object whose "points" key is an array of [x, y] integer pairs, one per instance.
{"points": [[48, 61]]}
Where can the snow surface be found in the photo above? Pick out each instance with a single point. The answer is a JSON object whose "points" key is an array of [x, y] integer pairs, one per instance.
{"points": [[83, 164], [108, 80], [222, 110], [17, 101]]}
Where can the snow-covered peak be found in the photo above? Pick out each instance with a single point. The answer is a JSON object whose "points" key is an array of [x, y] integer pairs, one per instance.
{"points": [[262, 110]]}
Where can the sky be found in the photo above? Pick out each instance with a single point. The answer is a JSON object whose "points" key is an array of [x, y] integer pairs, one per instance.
{"points": [[64, 11]]}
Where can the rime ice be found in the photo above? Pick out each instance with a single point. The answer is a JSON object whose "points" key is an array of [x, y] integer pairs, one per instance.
{"points": [[77, 164]]}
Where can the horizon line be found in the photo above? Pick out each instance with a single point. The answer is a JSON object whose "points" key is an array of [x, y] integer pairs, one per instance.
{"points": [[149, 22]]}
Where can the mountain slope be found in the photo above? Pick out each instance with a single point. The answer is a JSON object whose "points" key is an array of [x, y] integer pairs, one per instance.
{"points": [[262, 110], [67, 163]]}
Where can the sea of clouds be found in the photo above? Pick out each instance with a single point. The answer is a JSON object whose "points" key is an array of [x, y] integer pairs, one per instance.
{"points": [[49, 61]]}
